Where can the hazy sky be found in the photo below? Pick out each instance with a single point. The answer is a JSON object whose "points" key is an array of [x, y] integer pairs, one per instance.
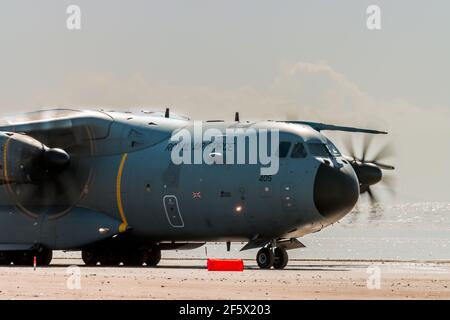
{"points": [[312, 60]]}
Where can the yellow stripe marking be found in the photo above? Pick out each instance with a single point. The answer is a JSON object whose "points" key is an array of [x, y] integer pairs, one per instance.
{"points": [[5, 165], [124, 224]]}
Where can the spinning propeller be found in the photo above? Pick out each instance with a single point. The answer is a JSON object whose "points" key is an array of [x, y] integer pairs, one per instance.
{"points": [[370, 169], [47, 171]]}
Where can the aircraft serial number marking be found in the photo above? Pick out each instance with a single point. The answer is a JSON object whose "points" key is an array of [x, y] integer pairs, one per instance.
{"points": [[265, 178]]}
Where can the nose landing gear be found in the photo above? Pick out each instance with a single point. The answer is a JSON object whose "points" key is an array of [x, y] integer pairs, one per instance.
{"points": [[265, 258], [281, 258], [269, 257]]}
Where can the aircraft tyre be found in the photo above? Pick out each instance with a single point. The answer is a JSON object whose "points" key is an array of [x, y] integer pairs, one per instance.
{"points": [[265, 258], [281, 258], [90, 257], [22, 258], [5, 258], [153, 257], [44, 257], [134, 258], [108, 258]]}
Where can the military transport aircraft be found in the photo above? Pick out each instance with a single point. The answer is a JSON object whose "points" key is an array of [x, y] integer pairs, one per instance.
{"points": [[104, 183]]}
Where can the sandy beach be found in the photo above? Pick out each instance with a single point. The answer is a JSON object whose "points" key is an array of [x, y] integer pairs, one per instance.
{"points": [[189, 279]]}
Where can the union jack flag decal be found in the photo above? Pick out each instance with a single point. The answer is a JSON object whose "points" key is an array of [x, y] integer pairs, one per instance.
{"points": [[196, 195]]}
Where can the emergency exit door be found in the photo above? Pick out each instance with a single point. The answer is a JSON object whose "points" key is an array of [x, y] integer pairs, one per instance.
{"points": [[173, 211]]}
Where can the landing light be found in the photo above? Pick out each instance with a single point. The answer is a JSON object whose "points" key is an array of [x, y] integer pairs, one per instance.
{"points": [[103, 230], [238, 209]]}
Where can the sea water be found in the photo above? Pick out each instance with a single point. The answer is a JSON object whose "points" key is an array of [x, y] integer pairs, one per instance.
{"points": [[407, 231]]}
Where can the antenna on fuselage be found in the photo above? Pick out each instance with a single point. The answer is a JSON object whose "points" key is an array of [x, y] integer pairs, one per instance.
{"points": [[167, 114], [236, 117]]}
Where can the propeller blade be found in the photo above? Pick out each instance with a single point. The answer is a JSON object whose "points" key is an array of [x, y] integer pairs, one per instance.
{"points": [[373, 199], [72, 186], [389, 182], [349, 147], [62, 198], [49, 192], [366, 144], [78, 150], [375, 210], [61, 172], [383, 166], [385, 152]]}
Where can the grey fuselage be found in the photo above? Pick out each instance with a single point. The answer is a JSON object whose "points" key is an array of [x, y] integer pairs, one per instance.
{"points": [[135, 182]]}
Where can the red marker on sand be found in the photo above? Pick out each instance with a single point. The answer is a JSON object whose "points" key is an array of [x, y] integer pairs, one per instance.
{"points": [[34, 263], [225, 265]]}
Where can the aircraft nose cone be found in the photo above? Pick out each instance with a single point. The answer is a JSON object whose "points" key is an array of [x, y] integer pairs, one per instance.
{"points": [[336, 191]]}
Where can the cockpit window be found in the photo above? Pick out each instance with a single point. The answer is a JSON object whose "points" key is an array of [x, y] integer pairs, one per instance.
{"points": [[283, 149], [319, 150], [333, 150], [298, 151]]}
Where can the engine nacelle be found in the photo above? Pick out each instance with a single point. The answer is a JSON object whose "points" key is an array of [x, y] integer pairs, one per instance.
{"points": [[25, 159], [368, 174]]}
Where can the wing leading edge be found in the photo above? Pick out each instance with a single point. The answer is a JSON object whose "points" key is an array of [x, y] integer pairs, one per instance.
{"points": [[331, 127]]}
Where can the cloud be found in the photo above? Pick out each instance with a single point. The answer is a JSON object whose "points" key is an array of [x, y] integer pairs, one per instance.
{"points": [[302, 89], [317, 90]]}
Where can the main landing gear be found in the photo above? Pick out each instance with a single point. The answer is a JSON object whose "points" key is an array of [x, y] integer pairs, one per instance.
{"points": [[113, 257], [26, 258], [269, 257]]}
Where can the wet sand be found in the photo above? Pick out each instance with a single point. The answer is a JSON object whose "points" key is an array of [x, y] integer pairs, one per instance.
{"points": [[189, 279]]}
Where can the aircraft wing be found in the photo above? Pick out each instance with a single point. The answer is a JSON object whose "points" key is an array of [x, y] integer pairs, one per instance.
{"points": [[57, 121], [99, 132], [331, 127]]}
